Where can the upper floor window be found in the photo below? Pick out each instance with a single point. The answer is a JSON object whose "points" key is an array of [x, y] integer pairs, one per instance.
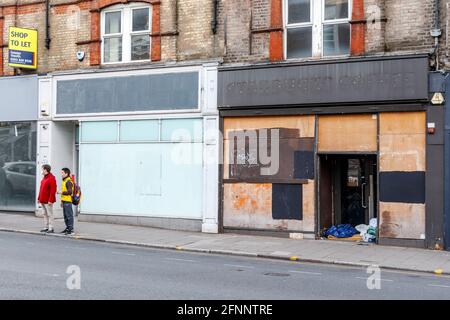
{"points": [[316, 28], [126, 33]]}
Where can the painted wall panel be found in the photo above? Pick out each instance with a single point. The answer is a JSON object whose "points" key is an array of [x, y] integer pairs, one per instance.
{"points": [[170, 91], [347, 133], [402, 220], [287, 201], [157, 183]]}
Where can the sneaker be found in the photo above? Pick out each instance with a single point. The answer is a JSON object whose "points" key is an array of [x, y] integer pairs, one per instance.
{"points": [[70, 232], [50, 231], [64, 231], [44, 230]]}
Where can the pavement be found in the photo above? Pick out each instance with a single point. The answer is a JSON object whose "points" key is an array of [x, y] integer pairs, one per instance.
{"points": [[314, 251], [36, 267]]}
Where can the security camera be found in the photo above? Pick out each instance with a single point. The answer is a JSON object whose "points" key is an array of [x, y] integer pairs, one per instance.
{"points": [[80, 55]]}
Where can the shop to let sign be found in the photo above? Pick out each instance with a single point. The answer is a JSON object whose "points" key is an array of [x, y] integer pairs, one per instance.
{"points": [[22, 48]]}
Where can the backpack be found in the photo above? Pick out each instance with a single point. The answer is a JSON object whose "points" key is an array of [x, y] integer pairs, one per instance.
{"points": [[76, 195]]}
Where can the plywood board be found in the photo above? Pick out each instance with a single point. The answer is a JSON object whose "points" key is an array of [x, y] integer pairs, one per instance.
{"points": [[402, 123], [402, 220], [402, 152], [250, 206], [348, 133], [309, 206], [306, 124]]}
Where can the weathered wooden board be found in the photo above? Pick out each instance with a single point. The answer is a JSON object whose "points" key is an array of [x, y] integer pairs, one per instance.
{"points": [[402, 152], [309, 206], [250, 206], [348, 133], [402, 123], [402, 141], [306, 124], [402, 220]]}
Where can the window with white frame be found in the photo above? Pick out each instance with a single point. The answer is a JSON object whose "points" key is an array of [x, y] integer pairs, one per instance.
{"points": [[316, 28], [126, 33]]}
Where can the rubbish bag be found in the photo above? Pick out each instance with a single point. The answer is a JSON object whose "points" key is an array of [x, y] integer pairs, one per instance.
{"points": [[362, 228], [373, 223], [341, 231]]}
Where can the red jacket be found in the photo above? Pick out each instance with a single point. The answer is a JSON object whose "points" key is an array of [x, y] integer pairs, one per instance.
{"points": [[47, 193]]}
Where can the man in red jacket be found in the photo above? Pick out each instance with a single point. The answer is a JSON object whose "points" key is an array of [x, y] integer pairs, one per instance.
{"points": [[47, 197]]}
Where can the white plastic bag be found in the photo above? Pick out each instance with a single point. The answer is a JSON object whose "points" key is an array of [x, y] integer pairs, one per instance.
{"points": [[373, 223], [362, 228]]}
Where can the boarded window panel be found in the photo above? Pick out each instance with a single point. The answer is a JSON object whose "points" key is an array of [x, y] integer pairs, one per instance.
{"points": [[402, 220], [402, 152], [308, 209], [305, 124], [249, 206], [402, 123], [287, 201], [99, 131], [139, 130], [348, 133], [402, 141]]}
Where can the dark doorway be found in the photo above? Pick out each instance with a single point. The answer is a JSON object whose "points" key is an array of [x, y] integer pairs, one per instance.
{"points": [[347, 189]]}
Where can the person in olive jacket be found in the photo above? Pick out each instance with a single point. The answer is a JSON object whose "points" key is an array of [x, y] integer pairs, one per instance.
{"points": [[47, 197]]}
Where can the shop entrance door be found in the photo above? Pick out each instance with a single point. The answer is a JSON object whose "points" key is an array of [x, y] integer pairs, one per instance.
{"points": [[347, 189]]}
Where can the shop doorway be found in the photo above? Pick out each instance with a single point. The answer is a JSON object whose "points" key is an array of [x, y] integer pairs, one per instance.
{"points": [[347, 190]]}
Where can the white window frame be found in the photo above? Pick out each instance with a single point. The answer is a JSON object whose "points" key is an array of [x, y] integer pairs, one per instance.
{"points": [[317, 23], [126, 31]]}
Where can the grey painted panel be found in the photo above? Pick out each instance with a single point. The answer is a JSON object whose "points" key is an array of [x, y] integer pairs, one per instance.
{"points": [[19, 98], [435, 196], [171, 91], [354, 81]]}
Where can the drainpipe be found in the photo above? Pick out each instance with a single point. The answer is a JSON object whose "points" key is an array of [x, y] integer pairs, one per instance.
{"points": [[215, 13], [47, 24], [436, 31]]}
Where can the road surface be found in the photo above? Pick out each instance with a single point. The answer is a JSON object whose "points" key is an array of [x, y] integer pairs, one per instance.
{"points": [[35, 267]]}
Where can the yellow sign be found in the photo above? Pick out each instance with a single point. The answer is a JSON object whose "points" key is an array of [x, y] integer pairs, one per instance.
{"points": [[22, 48]]}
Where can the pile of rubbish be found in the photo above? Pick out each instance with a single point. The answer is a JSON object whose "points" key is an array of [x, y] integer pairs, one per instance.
{"points": [[368, 233], [362, 232], [341, 231]]}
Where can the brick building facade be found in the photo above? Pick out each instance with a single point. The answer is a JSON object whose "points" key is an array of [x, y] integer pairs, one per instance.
{"points": [[345, 82]]}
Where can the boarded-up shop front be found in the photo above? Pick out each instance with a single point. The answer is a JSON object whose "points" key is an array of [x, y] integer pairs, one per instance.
{"points": [[311, 146]]}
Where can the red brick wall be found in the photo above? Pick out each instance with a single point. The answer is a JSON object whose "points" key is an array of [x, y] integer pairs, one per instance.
{"points": [[276, 33], [155, 53], [358, 28], [1, 41]]}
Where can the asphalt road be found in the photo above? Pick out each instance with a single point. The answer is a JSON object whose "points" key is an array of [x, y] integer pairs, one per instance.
{"points": [[35, 267]]}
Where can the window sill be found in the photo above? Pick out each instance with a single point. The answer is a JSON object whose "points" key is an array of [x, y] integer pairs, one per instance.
{"points": [[127, 64]]}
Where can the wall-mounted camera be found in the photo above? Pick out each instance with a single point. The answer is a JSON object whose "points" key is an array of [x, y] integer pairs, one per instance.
{"points": [[80, 55]]}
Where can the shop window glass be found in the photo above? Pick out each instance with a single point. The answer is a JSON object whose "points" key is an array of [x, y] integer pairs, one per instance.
{"points": [[99, 131], [17, 166], [180, 130], [139, 130]]}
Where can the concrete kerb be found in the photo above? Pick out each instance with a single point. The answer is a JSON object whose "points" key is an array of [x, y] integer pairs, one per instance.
{"points": [[230, 252]]}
